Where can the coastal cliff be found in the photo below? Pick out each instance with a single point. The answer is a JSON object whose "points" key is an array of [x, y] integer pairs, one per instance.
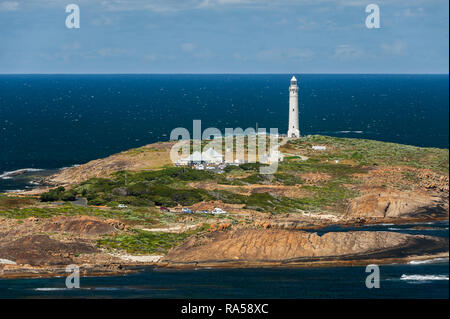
{"points": [[285, 247]]}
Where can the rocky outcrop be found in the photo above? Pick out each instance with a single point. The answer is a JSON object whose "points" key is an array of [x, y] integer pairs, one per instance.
{"points": [[88, 227], [85, 225], [39, 250], [396, 204], [433, 181], [268, 246]]}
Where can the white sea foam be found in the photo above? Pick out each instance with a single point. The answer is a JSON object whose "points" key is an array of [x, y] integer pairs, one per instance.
{"points": [[59, 289], [423, 277], [428, 261], [11, 174], [347, 132], [50, 289], [67, 167], [7, 262]]}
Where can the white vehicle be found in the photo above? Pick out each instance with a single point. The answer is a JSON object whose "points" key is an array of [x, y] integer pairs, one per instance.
{"points": [[200, 167], [122, 206], [218, 211]]}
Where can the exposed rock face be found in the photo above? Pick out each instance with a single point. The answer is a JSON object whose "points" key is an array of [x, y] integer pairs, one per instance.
{"points": [[433, 181], [271, 245], [73, 240], [395, 204], [74, 226], [38, 250], [80, 225]]}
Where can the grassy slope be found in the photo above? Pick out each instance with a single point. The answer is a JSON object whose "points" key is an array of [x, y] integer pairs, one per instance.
{"points": [[370, 153]]}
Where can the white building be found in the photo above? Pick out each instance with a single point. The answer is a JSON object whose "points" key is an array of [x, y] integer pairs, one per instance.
{"points": [[210, 156], [293, 130], [319, 147]]}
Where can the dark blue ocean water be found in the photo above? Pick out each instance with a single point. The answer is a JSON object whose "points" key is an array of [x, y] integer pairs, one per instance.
{"points": [[338, 282], [54, 121]]}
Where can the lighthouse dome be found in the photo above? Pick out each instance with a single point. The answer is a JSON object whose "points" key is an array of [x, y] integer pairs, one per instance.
{"points": [[294, 81]]}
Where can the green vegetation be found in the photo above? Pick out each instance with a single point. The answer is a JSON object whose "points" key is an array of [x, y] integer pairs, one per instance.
{"points": [[266, 202], [57, 194], [143, 242], [145, 216], [314, 166], [322, 198], [166, 187], [170, 186], [140, 150], [370, 153], [10, 202], [329, 195]]}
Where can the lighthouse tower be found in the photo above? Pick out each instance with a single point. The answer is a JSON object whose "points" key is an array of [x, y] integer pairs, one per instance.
{"points": [[293, 130]]}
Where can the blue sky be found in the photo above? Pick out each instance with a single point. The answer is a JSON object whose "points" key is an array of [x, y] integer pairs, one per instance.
{"points": [[224, 36]]}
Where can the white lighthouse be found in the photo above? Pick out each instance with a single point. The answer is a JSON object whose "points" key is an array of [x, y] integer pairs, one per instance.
{"points": [[293, 130]]}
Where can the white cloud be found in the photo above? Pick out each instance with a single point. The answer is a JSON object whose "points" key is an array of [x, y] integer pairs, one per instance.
{"points": [[395, 48], [188, 47], [199, 53], [411, 12], [9, 6], [150, 56], [114, 52], [346, 52], [102, 20], [291, 54], [170, 6], [71, 46], [204, 54], [305, 24]]}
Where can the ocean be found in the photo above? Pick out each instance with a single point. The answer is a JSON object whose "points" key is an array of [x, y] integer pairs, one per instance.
{"points": [[48, 122]]}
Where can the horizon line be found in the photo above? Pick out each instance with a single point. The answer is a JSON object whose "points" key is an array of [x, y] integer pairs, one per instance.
{"points": [[221, 73]]}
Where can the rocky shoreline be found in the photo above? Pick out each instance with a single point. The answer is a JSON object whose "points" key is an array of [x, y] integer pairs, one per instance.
{"points": [[241, 248], [285, 248]]}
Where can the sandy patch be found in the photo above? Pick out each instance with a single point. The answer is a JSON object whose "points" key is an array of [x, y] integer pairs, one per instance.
{"points": [[138, 258], [175, 229], [7, 262]]}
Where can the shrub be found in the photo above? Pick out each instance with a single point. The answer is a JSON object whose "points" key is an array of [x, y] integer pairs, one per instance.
{"points": [[52, 195]]}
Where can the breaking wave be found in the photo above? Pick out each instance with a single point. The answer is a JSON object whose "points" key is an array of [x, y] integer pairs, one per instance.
{"points": [[428, 261], [423, 277], [347, 132], [11, 174], [59, 289], [66, 167]]}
